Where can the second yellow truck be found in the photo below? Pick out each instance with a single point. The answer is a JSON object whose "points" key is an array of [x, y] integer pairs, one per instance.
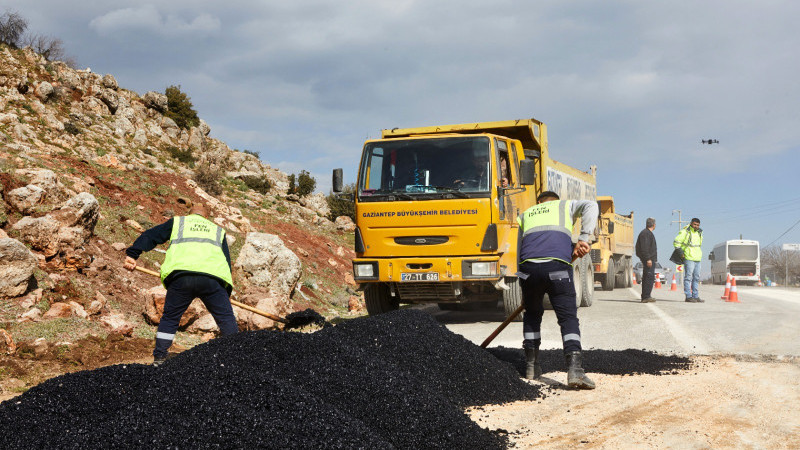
{"points": [[613, 251], [436, 211]]}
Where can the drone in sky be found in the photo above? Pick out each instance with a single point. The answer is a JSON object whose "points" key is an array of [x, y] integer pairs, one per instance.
{"points": [[710, 141]]}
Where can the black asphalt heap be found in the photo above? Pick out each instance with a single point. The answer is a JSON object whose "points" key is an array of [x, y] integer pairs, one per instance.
{"points": [[609, 362], [308, 316], [399, 380]]}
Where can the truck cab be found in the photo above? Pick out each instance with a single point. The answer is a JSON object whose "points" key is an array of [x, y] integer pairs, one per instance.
{"points": [[436, 212]]}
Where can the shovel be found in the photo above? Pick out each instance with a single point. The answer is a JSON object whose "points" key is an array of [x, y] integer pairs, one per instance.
{"points": [[294, 320]]}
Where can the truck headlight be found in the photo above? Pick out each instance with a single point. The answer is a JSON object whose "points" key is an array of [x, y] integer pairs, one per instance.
{"points": [[365, 270], [484, 269]]}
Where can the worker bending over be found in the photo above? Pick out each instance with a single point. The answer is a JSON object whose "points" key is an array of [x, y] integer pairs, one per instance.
{"points": [[546, 252], [198, 265]]}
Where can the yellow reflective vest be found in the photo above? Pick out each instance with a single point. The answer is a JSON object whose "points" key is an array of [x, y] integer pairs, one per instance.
{"points": [[690, 241], [546, 232], [196, 246]]}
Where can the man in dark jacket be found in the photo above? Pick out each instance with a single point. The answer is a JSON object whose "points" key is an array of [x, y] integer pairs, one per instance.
{"points": [[197, 265], [647, 252]]}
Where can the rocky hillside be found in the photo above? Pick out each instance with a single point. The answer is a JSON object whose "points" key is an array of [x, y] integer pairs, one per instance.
{"points": [[86, 165]]}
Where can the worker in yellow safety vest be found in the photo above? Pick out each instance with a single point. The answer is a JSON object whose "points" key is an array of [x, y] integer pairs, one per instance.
{"points": [[689, 240], [546, 252], [197, 265]]}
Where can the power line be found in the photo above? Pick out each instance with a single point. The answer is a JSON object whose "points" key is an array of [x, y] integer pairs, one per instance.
{"points": [[784, 233]]}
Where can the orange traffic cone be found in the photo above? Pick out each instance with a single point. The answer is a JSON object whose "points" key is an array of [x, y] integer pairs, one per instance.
{"points": [[733, 297], [658, 281], [760, 284], [674, 286], [634, 280], [727, 288]]}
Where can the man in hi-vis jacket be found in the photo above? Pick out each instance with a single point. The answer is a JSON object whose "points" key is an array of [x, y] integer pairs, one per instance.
{"points": [[545, 254], [198, 265]]}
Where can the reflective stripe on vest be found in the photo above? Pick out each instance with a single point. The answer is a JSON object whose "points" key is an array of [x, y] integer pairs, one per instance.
{"points": [[547, 232], [196, 246]]}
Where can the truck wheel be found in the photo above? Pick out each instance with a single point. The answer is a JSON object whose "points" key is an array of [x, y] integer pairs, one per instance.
{"points": [[379, 300], [578, 273], [512, 298], [588, 285], [608, 282], [628, 270]]}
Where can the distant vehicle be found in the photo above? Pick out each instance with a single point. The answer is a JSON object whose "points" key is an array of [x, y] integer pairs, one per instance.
{"points": [[661, 272], [740, 258], [613, 251], [710, 141]]}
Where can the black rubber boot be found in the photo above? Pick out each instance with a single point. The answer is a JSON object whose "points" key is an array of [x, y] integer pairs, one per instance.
{"points": [[533, 368], [576, 377]]}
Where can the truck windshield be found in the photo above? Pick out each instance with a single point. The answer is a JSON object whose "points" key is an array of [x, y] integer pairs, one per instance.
{"points": [[454, 165], [742, 252]]}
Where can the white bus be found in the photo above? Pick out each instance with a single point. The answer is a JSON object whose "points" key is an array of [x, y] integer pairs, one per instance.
{"points": [[740, 258]]}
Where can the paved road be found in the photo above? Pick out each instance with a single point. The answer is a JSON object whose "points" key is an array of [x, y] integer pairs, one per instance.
{"points": [[765, 322]]}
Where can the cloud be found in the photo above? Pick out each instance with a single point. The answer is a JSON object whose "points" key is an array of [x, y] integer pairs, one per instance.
{"points": [[147, 19]]}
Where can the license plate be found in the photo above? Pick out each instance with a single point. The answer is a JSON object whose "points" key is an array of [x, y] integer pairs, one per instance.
{"points": [[423, 276]]}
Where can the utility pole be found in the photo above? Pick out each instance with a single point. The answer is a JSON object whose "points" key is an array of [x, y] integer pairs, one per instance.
{"points": [[679, 221]]}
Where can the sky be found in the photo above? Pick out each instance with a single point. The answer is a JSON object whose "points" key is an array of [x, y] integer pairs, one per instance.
{"points": [[629, 86]]}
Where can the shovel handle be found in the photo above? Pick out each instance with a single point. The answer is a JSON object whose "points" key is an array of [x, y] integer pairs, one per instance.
{"points": [[503, 325], [233, 302]]}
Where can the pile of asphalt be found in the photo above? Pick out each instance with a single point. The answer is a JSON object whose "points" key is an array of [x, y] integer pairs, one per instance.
{"points": [[308, 316], [609, 362], [398, 380]]}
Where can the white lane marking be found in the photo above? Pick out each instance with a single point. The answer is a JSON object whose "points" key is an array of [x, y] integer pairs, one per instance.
{"points": [[689, 343]]}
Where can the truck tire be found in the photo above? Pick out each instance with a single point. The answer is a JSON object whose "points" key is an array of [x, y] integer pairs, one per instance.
{"points": [[578, 274], [588, 285], [378, 299], [512, 298], [628, 272], [608, 282], [619, 279]]}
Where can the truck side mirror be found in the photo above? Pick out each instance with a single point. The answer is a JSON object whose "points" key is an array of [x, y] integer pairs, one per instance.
{"points": [[338, 185], [610, 227], [527, 172], [711, 256]]}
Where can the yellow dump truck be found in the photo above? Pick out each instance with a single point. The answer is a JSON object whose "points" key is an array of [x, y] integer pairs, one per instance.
{"points": [[436, 211], [612, 252]]}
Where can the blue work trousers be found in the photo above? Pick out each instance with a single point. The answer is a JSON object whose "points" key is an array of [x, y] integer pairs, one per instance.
{"points": [[180, 294], [691, 279], [554, 278]]}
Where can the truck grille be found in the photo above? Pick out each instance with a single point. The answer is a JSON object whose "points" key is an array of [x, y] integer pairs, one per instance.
{"points": [[421, 240], [596, 259], [426, 291]]}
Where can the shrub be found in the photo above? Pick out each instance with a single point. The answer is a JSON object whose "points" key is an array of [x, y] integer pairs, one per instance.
{"points": [[250, 152], [181, 109], [184, 156], [344, 205], [302, 184], [12, 26], [71, 128], [258, 184], [208, 178]]}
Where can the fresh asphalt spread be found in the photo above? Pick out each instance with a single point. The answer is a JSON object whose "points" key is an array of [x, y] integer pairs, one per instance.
{"points": [[396, 380]]}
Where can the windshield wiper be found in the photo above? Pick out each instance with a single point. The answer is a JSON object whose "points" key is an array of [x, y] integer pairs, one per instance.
{"points": [[449, 190]]}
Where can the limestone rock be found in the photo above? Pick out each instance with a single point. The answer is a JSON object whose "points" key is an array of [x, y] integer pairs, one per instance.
{"points": [[156, 100], [17, 265], [24, 199], [118, 324], [58, 309], [265, 261], [109, 82]]}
